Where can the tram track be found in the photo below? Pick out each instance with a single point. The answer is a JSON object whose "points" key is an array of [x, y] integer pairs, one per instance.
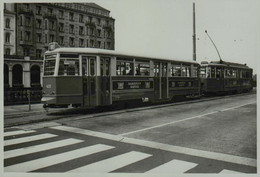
{"points": [[79, 114]]}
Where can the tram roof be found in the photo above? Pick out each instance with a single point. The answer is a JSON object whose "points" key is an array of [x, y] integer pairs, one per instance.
{"points": [[227, 64], [114, 53]]}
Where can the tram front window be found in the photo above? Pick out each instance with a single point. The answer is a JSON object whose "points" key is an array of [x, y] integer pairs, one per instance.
{"points": [[49, 67], [69, 67]]}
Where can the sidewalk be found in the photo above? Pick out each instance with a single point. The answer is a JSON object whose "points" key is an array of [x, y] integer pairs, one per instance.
{"points": [[19, 109]]}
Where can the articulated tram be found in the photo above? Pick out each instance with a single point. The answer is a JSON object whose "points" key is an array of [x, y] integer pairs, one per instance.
{"points": [[94, 77]]}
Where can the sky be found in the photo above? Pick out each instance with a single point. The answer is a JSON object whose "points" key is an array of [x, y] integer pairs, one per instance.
{"points": [[164, 28]]}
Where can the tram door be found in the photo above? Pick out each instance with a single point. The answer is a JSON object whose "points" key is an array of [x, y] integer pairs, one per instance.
{"points": [[160, 73], [105, 80], [89, 80]]}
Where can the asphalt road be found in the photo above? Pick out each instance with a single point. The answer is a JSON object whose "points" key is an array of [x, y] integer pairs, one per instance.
{"points": [[216, 136]]}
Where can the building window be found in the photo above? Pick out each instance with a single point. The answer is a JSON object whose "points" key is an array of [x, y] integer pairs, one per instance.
{"points": [[38, 53], [21, 20], [51, 38], [61, 40], [81, 29], [7, 23], [7, 38], [81, 42], [35, 74], [90, 19], [38, 23], [92, 31], [26, 52], [61, 14], [46, 38], [71, 41], [99, 21], [21, 35], [99, 44], [108, 45], [61, 27], [71, 28], [99, 33], [27, 35], [39, 37], [71, 16], [52, 25], [27, 21], [7, 51], [50, 10], [17, 75], [27, 7], [46, 24], [91, 43], [38, 10], [80, 18]]}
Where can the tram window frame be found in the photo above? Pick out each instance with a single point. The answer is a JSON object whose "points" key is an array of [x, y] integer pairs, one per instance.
{"points": [[156, 69], [164, 69], [228, 73], [208, 72], [213, 72], [104, 66], [121, 64], [142, 67], [176, 70], [71, 63], [195, 71], [218, 72]]}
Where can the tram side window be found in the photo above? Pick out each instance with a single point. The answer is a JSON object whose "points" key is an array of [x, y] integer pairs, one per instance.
{"points": [[124, 67], [49, 67], [234, 73], [195, 71], [176, 70], [218, 72], [213, 73], [142, 68], [156, 69], [203, 72], [228, 73], [84, 67], [69, 67], [92, 67], [186, 71]]}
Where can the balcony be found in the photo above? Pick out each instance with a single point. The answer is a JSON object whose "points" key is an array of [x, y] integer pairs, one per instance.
{"points": [[50, 16], [26, 43], [91, 24]]}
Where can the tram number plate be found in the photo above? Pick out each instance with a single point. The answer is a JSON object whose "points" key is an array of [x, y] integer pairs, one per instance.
{"points": [[48, 86]]}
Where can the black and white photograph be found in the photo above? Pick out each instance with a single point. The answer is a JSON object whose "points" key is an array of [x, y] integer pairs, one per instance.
{"points": [[129, 87]]}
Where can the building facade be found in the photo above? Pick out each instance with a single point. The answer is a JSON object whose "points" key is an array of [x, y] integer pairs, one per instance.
{"points": [[30, 27]]}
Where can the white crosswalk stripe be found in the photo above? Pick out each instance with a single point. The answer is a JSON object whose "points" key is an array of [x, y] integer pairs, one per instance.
{"points": [[56, 159], [39, 148], [17, 132], [174, 166], [230, 172], [113, 163], [28, 139]]}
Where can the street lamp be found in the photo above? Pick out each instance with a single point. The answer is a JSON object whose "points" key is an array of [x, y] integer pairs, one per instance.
{"points": [[214, 46]]}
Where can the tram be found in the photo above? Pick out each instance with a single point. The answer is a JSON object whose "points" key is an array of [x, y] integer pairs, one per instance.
{"points": [[85, 77], [221, 77]]}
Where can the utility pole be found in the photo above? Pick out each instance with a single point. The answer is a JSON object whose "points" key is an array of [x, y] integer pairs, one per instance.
{"points": [[194, 34]]}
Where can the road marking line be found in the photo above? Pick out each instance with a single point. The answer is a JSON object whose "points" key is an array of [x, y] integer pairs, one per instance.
{"points": [[165, 147], [182, 120], [174, 166], [39, 148], [28, 139], [18, 132], [230, 172], [113, 163], [56, 159]]}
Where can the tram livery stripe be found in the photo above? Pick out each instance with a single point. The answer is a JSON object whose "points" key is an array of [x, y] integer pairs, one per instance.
{"points": [[28, 139], [39, 148], [18, 132], [113, 163], [230, 172], [174, 166], [56, 159]]}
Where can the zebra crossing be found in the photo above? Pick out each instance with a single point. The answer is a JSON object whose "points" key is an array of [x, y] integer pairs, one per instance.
{"points": [[106, 165]]}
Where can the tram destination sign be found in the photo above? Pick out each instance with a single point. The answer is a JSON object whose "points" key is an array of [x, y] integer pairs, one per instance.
{"points": [[174, 84], [126, 85]]}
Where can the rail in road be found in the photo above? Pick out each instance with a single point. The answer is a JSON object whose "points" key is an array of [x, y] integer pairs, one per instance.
{"points": [[49, 150], [34, 116]]}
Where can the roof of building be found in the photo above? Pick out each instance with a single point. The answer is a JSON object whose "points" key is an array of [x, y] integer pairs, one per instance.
{"points": [[91, 4], [115, 53]]}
